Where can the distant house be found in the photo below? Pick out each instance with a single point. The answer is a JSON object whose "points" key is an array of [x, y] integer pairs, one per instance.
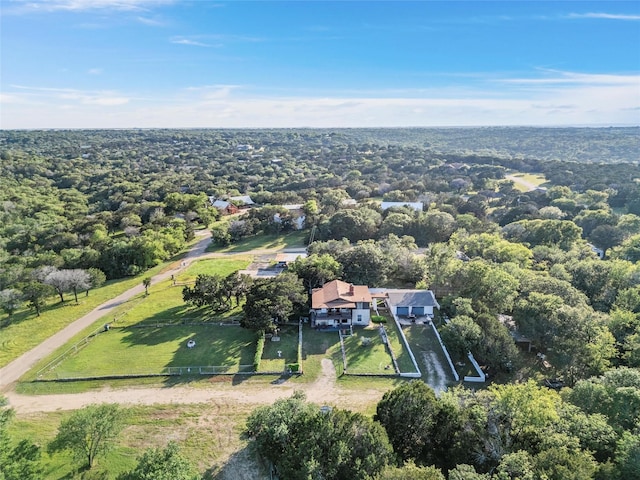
{"points": [[224, 206], [411, 302], [244, 148], [349, 203], [598, 251], [339, 303], [297, 215], [245, 200], [417, 206]]}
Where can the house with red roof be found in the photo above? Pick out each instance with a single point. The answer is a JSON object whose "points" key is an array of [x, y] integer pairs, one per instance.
{"points": [[338, 303]]}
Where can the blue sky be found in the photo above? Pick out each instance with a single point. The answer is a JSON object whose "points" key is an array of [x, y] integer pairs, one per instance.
{"points": [[164, 63]]}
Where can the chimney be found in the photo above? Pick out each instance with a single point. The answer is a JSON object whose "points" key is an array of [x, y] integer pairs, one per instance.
{"points": [[351, 289]]}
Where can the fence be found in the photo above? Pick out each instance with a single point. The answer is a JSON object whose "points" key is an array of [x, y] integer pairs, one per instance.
{"points": [[164, 372], [417, 373], [446, 352], [385, 340], [481, 377]]}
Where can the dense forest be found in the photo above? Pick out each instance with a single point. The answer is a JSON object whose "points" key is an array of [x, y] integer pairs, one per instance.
{"points": [[79, 207]]}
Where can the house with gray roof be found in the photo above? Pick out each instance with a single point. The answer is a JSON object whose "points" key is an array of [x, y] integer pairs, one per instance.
{"points": [[404, 302]]}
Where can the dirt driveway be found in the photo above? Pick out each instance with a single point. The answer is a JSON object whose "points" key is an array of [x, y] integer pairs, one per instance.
{"points": [[323, 391]]}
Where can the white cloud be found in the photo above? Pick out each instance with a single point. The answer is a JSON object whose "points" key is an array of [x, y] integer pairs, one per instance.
{"points": [[606, 16], [586, 100], [94, 71], [187, 41], [26, 6]]}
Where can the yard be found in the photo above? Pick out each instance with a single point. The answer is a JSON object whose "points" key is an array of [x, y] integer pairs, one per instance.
{"points": [[145, 350], [366, 353], [287, 345], [264, 242]]}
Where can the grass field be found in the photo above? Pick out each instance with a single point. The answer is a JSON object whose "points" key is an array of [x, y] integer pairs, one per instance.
{"points": [[210, 436], [264, 242], [148, 350], [530, 178], [26, 330]]}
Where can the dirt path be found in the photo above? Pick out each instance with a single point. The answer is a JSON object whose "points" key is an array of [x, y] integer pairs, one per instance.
{"points": [[11, 372], [322, 391]]}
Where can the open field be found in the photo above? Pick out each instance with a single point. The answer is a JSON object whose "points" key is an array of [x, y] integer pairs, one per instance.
{"points": [[369, 357], [26, 330], [264, 242], [149, 350], [525, 182], [210, 436]]}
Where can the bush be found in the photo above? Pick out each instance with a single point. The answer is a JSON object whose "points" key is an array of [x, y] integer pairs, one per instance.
{"points": [[293, 367], [378, 319], [259, 349]]}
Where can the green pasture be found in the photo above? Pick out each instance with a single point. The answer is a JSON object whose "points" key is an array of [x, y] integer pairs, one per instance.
{"points": [[217, 266], [134, 350], [264, 242], [287, 345]]}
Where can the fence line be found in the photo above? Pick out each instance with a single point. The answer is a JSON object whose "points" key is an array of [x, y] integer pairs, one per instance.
{"points": [[385, 340], [417, 373], [446, 352], [344, 353]]}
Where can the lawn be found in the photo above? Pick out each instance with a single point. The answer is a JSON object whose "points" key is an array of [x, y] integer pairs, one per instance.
{"points": [[164, 305], [209, 436], [264, 242], [145, 350], [317, 345], [399, 350], [218, 266], [287, 346], [26, 330], [367, 358]]}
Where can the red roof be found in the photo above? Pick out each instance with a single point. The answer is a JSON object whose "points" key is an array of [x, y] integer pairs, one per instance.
{"points": [[338, 294]]}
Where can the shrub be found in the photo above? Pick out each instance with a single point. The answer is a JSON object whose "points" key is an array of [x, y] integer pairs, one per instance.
{"points": [[259, 349], [378, 319]]}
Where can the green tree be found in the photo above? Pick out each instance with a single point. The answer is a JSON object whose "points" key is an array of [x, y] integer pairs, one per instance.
{"points": [[413, 419], [209, 291], [36, 294], [272, 300], [365, 264], [304, 442], [410, 471], [89, 432], [146, 282], [461, 335], [96, 278], [18, 461], [162, 464], [316, 270]]}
